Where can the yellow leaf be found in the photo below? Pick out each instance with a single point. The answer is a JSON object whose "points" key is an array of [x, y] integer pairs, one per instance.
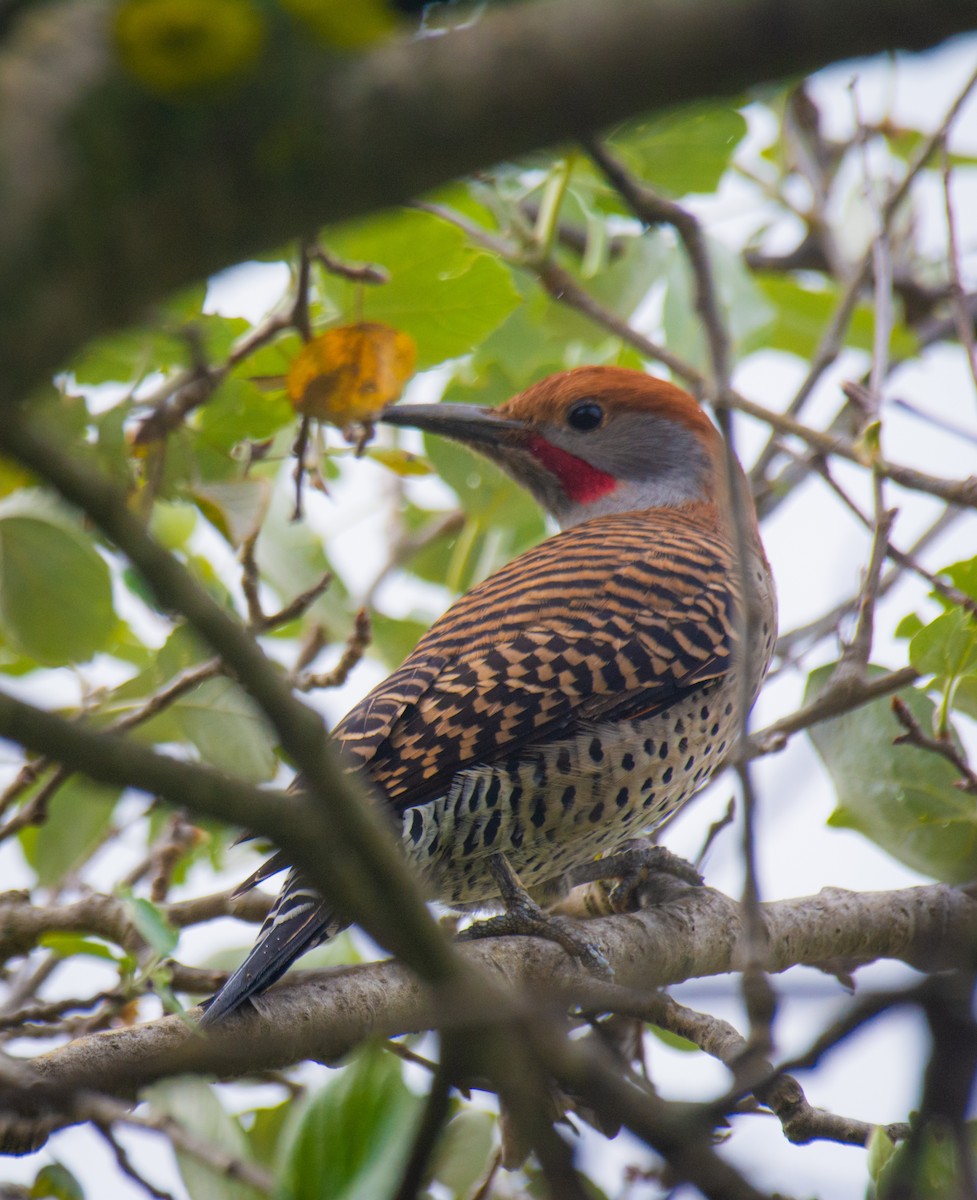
{"points": [[179, 45], [401, 462], [349, 374], [343, 25]]}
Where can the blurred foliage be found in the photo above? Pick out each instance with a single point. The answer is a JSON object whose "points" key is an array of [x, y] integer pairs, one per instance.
{"points": [[217, 484], [929, 1170], [352, 1137], [902, 798]]}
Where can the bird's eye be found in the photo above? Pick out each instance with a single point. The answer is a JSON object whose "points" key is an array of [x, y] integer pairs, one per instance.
{"points": [[585, 415]]}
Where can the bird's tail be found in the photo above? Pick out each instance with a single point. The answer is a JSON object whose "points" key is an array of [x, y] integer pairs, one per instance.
{"points": [[298, 922]]}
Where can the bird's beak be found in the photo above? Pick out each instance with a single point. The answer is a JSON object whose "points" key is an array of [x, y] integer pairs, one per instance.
{"points": [[464, 422]]}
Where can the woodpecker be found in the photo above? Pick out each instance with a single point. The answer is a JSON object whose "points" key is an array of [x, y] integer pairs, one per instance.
{"points": [[581, 694]]}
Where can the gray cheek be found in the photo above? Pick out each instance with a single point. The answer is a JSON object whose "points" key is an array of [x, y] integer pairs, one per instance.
{"points": [[666, 461]]}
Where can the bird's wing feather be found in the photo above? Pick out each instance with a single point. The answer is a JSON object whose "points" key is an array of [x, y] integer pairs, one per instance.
{"points": [[611, 620]]}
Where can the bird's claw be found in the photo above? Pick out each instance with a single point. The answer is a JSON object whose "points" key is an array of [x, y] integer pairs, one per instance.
{"points": [[524, 918], [643, 873]]}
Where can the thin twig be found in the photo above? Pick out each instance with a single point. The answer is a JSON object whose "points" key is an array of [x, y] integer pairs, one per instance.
{"points": [[809, 634], [107, 1111], [125, 1165], [299, 449], [298, 607], [35, 812], [962, 318], [843, 695], [715, 829], [250, 581], [869, 401], [781, 1093], [437, 1112], [902, 558], [942, 746], [188, 390], [355, 648], [832, 339], [258, 619], [652, 209], [371, 273], [54, 1010]]}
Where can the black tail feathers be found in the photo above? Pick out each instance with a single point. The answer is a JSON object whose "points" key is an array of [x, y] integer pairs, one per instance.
{"points": [[298, 922]]}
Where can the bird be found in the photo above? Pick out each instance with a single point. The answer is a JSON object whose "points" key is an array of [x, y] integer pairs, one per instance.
{"points": [[582, 693]]}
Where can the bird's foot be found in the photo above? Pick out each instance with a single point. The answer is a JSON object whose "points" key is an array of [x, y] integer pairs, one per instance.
{"points": [[523, 917], [529, 920], [644, 874]]}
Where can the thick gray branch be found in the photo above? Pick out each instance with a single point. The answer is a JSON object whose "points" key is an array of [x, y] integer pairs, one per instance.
{"points": [[113, 197], [321, 1015]]}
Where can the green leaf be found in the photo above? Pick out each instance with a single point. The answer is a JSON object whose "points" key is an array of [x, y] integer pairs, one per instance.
{"points": [[673, 1040], [239, 410], [217, 334], [462, 1155], [803, 314], [683, 151], [963, 575], [181, 650], [161, 979], [152, 925], [267, 1129], [946, 647], [235, 509], [880, 1150], [55, 589], [965, 697], [172, 524], [395, 637], [194, 1104], [445, 293], [67, 945], [901, 797], [522, 349], [128, 356], [934, 1175], [909, 626], [78, 816], [270, 362], [182, 332], [56, 1182], [354, 1136], [226, 727], [747, 311]]}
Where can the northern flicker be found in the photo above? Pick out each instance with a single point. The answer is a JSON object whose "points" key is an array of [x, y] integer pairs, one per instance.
{"points": [[581, 694]]}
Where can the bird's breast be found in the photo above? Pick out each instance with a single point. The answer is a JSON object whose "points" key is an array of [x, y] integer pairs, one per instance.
{"points": [[560, 804]]}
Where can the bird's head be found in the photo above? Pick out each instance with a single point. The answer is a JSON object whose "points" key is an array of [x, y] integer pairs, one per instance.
{"points": [[591, 441]]}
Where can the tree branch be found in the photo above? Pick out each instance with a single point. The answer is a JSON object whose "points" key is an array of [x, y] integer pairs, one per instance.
{"points": [[321, 1015], [113, 197]]}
